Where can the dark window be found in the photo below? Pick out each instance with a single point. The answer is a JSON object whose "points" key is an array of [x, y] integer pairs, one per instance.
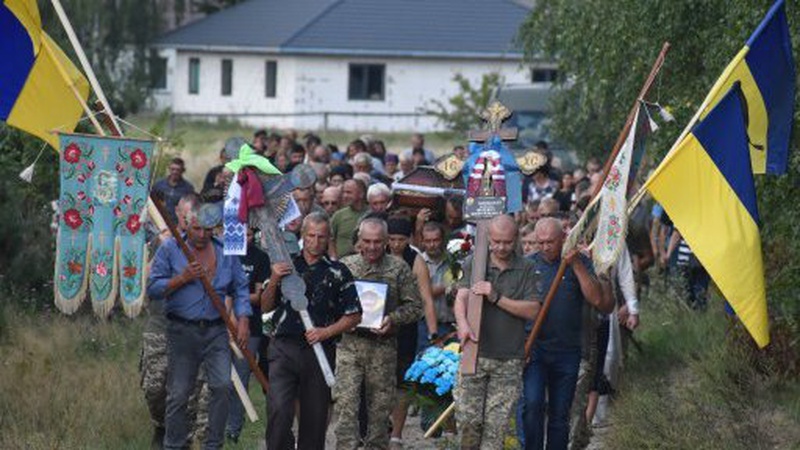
{"points": [[227, 77], [158, 73], [194, 75], [544, 75], [271, 75], [367, 82]]}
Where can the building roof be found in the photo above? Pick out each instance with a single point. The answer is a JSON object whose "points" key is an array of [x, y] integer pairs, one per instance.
{"points": [[424, 28]]}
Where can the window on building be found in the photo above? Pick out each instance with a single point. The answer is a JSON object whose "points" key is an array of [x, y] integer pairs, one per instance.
{"points": [[158, 73], [194, 75], [271, 76], [367, 82], [227, 77], [544, 75]]}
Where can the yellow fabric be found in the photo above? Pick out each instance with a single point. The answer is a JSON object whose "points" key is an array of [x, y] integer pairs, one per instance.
{"points": [[758, 121], [718, 228], [27, 13], [47, 101]]}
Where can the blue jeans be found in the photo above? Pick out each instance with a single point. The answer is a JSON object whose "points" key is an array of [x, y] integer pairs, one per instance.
{"points": [[557, 373], [189, 346], [236, 409]]}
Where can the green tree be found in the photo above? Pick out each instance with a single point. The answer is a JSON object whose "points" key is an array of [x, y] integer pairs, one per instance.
{"points": [[605, 49], [462, 111]]}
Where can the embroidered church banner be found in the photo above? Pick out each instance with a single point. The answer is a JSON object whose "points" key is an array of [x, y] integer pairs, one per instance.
{"points": [[100, 246]]}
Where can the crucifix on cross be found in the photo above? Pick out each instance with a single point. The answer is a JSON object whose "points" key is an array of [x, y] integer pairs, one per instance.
{"points": [[494, 187]]}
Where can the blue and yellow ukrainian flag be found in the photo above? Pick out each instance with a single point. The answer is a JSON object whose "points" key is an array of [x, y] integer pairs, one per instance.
{"points": [[706, 186], [765, 68], [38, 83]]}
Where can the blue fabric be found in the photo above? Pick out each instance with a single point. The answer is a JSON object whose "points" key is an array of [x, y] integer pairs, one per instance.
{"points": [[191, 301], [551, 375], [722, 140], [562, 327], [17, 50], [771, 63]]}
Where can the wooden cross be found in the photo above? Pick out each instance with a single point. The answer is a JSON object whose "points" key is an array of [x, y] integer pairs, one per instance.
{"points": [[481, 206]]}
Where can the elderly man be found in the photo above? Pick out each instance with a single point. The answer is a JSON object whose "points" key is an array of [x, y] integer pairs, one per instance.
{"points": [[486, 398], [196, 334], [553, 370], [331, 199], [370, 355], [295, 374], [344, 222], [379, 196]]}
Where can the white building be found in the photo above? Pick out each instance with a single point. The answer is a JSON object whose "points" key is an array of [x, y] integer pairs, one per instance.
{"points": [[338, 64]]}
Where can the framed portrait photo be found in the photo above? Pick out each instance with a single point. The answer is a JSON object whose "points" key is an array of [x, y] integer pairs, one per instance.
{"points": [[372, 295]]}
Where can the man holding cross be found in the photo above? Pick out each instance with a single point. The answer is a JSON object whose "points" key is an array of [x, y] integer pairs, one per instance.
{"points": [[295, 374], [196, 334], [486, 398]]}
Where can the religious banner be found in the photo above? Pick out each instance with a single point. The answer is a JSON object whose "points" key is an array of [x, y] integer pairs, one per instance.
{"points": [[100, 247]]}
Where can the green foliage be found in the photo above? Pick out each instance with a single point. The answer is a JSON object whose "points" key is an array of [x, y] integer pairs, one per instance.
{"points": [[463, 111], [212, 6], [116, 37], [605, 50]]}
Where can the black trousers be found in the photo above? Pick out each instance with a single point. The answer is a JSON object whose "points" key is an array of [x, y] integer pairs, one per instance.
{"points": [[294, 374]]}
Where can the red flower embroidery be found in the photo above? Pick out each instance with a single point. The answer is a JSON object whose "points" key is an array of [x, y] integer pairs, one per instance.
{"points": [[81, 195], [90, 165], [126, 200], [138, 159], [117, 211], [81, 178], [129, 271], [74, 267], [72, 153], [73, 219], [120, 168], [133, 223], [128, 182]]}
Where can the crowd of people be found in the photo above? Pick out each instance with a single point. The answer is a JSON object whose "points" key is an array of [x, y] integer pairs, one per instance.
{"points": [[350, 230]]}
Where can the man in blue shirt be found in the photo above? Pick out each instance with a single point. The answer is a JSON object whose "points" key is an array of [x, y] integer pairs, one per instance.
{"points": [[196, 334], [557, 352], [173, 187]]}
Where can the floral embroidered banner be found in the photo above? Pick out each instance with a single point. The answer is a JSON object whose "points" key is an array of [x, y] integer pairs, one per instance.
{"points": [[105, 184]]}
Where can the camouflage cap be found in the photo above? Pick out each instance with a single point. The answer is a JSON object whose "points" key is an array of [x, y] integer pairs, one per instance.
{"points": [[210, 215]]}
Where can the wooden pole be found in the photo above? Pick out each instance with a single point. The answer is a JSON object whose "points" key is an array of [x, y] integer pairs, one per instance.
{"points": [[480, 260], [215, 300], [537, 326], [563, 266]]}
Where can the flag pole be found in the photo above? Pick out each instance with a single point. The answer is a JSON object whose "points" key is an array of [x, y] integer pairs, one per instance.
{"points": [[606, 169], [152, 211], [563, 266]]}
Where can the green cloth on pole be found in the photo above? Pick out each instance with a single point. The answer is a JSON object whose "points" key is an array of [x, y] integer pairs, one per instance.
{"points": [[247, 157]]}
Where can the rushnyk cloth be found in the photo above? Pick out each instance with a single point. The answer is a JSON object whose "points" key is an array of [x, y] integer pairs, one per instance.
{"points": [[100, 245]]}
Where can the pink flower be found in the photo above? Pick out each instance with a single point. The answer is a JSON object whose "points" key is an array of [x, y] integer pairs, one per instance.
{"points": [[126, 200], [101, 269], [120, 168], [128, 182], [81, 195], [117, 211], [90, 165], [91, 210], [81, 178]]}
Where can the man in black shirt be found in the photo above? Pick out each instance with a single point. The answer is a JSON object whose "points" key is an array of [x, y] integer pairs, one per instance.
{"points": [[256, 265], [295, 374]]}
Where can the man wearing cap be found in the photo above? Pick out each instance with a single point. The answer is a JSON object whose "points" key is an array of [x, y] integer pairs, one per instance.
{"points": [[196, 334]]}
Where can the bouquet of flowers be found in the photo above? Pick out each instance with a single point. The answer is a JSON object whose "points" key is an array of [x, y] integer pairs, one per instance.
{"points": [[433, 374], [457, 251]]}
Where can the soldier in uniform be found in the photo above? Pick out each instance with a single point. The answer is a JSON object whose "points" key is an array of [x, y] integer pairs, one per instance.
{"points": [[486, 398], [370, 355]]}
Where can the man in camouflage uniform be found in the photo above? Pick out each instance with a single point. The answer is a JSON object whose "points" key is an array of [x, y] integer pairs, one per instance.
{"points": [[371, 354], [153, 358], [485, 399]]}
